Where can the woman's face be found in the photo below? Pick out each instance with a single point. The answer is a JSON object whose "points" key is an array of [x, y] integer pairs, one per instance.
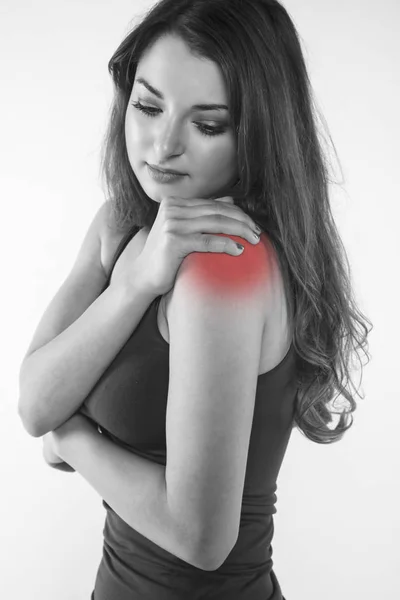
{"points": [[175, 135]]}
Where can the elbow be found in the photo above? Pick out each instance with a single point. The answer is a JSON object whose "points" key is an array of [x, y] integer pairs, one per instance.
{"points": [[205, 549], [211, 556], [210, 562]]}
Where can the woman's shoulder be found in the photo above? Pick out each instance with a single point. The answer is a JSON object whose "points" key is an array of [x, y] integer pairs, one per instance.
{"points": [[111, 235], [110, 227]]}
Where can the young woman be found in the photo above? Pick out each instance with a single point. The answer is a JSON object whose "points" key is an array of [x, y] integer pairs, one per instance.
{"points": [[170, 368]]}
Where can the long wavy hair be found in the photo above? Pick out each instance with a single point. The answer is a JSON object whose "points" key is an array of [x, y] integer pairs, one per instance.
{"points": [[283, 182]]}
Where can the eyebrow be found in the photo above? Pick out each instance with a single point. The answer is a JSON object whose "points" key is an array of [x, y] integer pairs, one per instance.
{"points": [[157, 93]]}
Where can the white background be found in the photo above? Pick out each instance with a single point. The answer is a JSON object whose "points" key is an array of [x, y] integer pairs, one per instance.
{"points": [[337, 525]]}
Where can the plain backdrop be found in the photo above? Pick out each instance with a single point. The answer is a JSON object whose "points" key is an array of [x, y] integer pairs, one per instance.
{"points": [[337, 525]]}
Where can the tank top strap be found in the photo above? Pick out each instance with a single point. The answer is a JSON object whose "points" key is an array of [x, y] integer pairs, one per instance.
{"points": [[121, 247]]}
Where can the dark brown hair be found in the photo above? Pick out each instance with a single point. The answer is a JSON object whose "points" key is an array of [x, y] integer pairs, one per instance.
{"points": [[283, 180]]}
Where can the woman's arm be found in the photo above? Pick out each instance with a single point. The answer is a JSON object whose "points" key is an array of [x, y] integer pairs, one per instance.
{"points": [[56, 379], [133, 486]]}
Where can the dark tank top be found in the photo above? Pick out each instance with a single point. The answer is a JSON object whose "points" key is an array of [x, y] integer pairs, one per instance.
{"points": [[128, 404]]}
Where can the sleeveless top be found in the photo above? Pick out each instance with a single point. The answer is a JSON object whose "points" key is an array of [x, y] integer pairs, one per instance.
{"points": [[129, 404]]}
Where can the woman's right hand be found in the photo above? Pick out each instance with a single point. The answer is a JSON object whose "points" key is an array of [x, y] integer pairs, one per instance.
{"points": [[183, 226]]}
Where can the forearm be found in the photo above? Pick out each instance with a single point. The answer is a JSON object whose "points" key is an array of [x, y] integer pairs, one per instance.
{"points": [[56, 378], [134, 487]]}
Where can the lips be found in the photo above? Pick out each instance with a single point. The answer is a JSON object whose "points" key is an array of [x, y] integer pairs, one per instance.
{"points": [[166, 170]]}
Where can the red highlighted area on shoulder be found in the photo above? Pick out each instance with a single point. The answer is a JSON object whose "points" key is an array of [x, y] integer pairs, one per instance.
{"points": [[227, 275]]}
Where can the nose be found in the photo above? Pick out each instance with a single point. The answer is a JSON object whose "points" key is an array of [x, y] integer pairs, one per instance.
{"points": [[168, 142]]}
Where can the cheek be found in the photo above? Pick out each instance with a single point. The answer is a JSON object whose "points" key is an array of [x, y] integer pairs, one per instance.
{"points": [[135, 138], [217, 160], [130, 131]]}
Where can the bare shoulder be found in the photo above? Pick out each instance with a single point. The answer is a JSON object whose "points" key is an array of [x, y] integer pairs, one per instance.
{"points": [[110, 236], [109, 226]]}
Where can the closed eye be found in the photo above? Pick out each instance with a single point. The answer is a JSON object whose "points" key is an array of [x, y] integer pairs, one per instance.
{"points": [[204, 129]]}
